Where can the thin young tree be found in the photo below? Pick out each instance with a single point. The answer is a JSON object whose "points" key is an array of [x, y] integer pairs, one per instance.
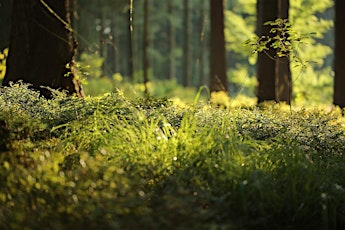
{"points": [[218, 78], [42, 46]]}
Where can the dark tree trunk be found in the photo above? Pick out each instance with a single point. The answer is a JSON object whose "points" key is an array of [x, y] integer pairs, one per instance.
{"points": [[266, 11], [282, 71], [5, 19], [218, 78], [42, 46], [273, 72], [339, 61]]}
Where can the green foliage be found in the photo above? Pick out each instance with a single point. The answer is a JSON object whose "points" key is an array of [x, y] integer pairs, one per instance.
{"points": [[312, 53], [90, 65], [171, 89], [283, 39], [102, 162], [235, 33], [241, 83]]}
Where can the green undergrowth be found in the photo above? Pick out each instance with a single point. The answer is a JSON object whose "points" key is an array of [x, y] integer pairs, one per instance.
{"points": [[116, 163]]}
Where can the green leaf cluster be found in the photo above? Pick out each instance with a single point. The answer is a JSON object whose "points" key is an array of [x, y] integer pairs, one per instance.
{"points": [[309, 28]]}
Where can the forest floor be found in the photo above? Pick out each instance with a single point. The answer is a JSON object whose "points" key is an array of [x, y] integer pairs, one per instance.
{"points": [[148, 163]]}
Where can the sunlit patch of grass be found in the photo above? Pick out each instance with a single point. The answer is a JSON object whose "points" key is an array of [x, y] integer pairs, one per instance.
{"points": [[102, 162]]}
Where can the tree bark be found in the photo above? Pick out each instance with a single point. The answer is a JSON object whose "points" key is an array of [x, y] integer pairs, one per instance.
{"points": [[218, 78], [282, 68], [146, 45], [42, 46], [273, 72], [172, 42], [339, 54], [187, 65], [203, 79], [5, 16], [131, 41], [266, 64]]}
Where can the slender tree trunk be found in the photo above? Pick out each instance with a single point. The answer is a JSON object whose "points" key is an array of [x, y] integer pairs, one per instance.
{"points": [[131, 41], [102, 38], [273, 72], [187, 66], [218, 78], [266, 64], [42, 46], [282, 69], [111, 61], [339, 61], [146, 44], [202, 42], [172, 42]]}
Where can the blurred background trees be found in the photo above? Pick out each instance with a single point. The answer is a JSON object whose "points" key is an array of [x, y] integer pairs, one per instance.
{"points": [[111, 45]]}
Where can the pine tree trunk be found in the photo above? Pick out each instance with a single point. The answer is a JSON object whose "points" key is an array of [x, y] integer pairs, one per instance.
{"points": [[273, 72], [339, 61], [131, 41], [282, 71], [5, 15], [172, 42], [203, 80], [42, 46], [218, 78], [187, 65], [146, 45], [266, 65]]}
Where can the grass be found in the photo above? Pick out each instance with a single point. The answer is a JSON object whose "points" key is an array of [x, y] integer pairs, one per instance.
{"points": [[147, 163]]}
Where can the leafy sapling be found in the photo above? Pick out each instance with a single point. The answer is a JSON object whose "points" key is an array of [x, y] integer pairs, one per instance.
{"points": [[283, 39]]}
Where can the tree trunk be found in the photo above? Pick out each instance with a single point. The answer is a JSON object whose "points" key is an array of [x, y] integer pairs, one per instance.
{"points": [[282, 68], [146, 44], [266, 64], [172, 42], [5, 16], [273, 72], [218, 78], [187, 66], [42, 46], [203, 80], [131, 41], [112, 52], [339, 53], [102, 39]]}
